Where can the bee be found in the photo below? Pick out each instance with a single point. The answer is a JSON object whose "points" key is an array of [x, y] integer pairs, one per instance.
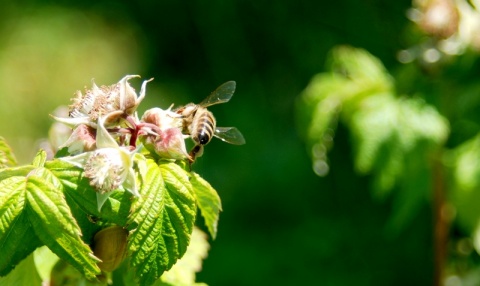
{"points": [[201, 125]]}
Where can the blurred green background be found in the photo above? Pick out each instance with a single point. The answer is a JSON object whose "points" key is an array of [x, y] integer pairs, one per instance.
{"points": [[282, 224]]}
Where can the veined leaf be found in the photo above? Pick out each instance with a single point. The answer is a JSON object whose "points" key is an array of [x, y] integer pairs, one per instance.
{"points": [[208, 201], [7, 159], [17, 243], [16, 238], [54, 224], [40, 158], [79, 193], [162, 220]]}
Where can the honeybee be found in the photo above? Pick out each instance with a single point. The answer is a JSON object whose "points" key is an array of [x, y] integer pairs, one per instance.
{"points": [[200, 124]]}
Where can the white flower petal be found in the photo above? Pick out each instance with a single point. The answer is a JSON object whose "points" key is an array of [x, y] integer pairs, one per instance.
{"points": [[102, 198], [72, 121], [77, 160], [104, 139], [130, 183]]}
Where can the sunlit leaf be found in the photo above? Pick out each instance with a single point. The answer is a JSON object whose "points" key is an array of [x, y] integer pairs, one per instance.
{"points": [[40, 159], [208, 202], [81, 195], [163, 220], [16, 237], [44, 259], [7, 158], [183, 272], [54, 224]]}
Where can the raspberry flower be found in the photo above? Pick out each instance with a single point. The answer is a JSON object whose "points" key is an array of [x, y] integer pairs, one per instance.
{"points": [[163, 134], [88, 107], [109, 167]]}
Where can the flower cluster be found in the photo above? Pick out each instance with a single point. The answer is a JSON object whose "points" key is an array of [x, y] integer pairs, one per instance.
{"points": [[106, 129]]}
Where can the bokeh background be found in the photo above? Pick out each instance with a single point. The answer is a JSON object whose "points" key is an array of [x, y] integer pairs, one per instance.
{"points": [[281, 224]]}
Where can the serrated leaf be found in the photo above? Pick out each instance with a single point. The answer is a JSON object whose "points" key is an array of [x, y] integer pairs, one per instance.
{"points": [[7, 158], [208, 202], [54, 224], [79, 193], [40, 159], [163, 220], [16, 239], [17, 243]]}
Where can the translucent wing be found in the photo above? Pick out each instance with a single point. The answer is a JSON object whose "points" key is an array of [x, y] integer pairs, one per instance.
{"points": [[222, 94], [230, 135]]}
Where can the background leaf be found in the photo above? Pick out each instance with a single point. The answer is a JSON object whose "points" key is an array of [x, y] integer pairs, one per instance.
{"points": [[25, 274], [7, 158], [183, 272], [388, 134]]}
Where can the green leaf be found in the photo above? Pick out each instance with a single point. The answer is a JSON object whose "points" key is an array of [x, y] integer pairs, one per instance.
{"points": [[45, 260], [54, 224], [40, 159], [162, 220], [355, 76], [386, 130], [7, 158], [183, 272], [80, 195], [16, 238], [208, 202], [465, 166], [65, 274], [365, 73], [16, 171], [393, 138], [25, 274]]}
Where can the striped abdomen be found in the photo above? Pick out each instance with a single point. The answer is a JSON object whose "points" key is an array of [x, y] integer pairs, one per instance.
{"points": [[204, 126]]}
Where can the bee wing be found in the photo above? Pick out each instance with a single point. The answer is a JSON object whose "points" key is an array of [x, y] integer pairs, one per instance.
{"points": [[230, 135], [222, 94]]}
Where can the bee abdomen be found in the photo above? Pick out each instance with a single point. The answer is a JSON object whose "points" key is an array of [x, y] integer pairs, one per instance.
{"points": [[206, 127]]}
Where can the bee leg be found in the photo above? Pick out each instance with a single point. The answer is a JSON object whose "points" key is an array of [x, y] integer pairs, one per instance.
{"points": [[196, 151]]}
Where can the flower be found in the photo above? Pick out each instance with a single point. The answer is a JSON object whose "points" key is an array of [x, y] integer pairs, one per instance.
{"points": [[163, 119], [98, 101], [109, 167], [162, 134], [82, 139], [168, 144]]}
